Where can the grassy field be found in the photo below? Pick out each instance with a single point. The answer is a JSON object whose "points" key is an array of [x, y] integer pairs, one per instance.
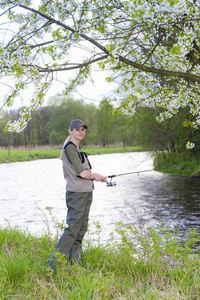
{"points": [[27, 155], [142, 264]]}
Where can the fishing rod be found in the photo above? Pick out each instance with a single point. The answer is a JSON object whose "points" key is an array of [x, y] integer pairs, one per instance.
{"points": [[116, 175]]}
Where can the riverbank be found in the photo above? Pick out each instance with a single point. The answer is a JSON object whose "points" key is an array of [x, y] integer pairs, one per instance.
{"points": [[8, 156], [145, 264], [183, 164], [177, 164]]}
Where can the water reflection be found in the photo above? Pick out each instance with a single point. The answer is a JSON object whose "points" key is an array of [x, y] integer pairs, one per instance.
{"points": [[147, 198]]}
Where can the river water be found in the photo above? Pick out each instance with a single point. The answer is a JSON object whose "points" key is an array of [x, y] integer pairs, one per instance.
{"points": [[146, 198]]}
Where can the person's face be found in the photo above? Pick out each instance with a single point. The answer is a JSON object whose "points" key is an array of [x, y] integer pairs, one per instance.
{"points": [[77, 134]]}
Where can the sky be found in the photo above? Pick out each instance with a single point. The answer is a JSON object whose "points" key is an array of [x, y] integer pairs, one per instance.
{"points": [[93, 91]]}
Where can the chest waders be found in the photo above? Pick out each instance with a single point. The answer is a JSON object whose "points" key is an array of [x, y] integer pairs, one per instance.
{"points": [[78, 207]]}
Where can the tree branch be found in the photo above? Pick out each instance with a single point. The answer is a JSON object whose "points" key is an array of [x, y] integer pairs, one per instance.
{"points": [[185, 76], [92, 41], [77, 66]]}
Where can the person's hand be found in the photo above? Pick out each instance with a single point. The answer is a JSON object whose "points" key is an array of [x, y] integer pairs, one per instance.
{"points": [[94, 176], [99, 177]]}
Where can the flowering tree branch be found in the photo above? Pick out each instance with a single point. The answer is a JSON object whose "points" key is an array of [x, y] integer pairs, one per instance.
{"points": [[151, 48]]}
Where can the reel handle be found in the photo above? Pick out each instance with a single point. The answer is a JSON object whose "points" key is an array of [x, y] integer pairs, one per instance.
{"points": [[111, 183]]}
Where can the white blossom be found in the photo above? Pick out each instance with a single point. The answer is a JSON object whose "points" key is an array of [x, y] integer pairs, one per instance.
{"points": [[190, 145], [159, 35]]}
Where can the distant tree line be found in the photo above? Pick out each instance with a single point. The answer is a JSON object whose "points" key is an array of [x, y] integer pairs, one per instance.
{"points": [[49, 126]]}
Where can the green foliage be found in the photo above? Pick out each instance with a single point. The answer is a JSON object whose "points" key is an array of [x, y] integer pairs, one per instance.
{"points": [[55, 138], [124, 130], [180, 164], [169, 136], [105, 122], [137, 263], [63, 110], [49, 124]]}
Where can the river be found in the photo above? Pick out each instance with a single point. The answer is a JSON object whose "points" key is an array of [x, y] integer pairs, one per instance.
{"points": [[145, 198]]}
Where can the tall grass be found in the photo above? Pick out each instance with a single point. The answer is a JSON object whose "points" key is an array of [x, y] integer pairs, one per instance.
{"points": [[140, 264]]}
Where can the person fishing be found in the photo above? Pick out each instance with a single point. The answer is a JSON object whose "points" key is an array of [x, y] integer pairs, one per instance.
{"points": [[79, 194]]}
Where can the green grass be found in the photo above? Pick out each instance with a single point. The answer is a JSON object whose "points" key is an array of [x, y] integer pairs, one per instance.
{"points": [[28, 155], [142, 264]]}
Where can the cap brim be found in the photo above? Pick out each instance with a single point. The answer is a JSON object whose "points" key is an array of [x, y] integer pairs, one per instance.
{"points": [[78, 126]]}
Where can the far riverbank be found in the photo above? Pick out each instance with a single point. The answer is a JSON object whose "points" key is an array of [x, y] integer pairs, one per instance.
{"points": [[19, 155], [182, 165]]}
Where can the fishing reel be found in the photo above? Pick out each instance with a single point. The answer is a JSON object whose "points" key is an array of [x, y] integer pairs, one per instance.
{"points": [[111, 183]]}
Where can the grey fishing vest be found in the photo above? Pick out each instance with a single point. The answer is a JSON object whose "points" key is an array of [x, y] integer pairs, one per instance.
{"points": [[75, 183]]}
